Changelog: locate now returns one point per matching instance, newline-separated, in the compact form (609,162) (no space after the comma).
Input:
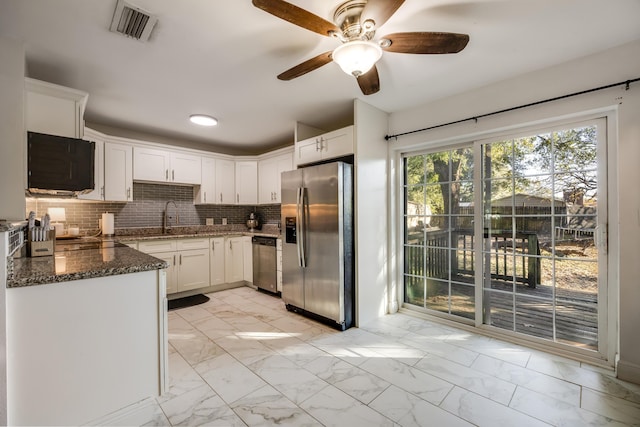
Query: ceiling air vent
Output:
(132,21)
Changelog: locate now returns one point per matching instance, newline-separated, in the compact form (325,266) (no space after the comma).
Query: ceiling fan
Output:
(355,24)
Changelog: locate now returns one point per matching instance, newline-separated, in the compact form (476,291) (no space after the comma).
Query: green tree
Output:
(572,155)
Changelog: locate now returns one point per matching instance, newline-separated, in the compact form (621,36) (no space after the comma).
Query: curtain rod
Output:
(627,83)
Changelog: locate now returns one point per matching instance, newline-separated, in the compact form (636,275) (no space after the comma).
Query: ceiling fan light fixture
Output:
(203,120)
(357,57)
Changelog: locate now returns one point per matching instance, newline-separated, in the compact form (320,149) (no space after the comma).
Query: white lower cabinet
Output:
(233,261)
(193,268)
(279,265)
(216,262)
(172,279)
(188,261)
(247,259)
(202,262)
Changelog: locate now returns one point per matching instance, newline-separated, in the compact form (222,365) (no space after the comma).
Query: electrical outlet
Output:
(209,221)
(224,221)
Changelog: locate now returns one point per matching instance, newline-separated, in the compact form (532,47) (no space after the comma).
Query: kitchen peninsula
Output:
(91,321)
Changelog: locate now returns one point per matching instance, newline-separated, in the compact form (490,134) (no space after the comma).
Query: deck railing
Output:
(445,254)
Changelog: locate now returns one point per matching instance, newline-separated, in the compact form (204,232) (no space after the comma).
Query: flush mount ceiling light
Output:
(357,57)
(203,120)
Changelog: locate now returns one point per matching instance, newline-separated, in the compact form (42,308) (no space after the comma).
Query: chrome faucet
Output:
(168,218)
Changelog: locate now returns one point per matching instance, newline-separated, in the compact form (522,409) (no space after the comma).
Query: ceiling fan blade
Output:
(369,82)
(306,66)
(297,16)
(379,11)
(426,42)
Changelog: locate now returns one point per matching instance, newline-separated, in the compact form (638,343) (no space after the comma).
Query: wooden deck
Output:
(575,314)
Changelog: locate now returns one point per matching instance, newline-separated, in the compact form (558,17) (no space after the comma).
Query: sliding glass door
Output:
(531,259)
(439,231)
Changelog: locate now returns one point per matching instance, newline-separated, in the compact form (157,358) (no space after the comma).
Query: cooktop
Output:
(84,243)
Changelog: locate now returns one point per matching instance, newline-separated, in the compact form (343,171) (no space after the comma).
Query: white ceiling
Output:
(221,57)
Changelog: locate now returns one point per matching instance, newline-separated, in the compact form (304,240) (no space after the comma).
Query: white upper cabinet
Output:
(206,192)
(118,167)
(269,171)
(246,182)
(150,164)
(218,182)
(330,145)
(225,182)
(185,168)
(113,169)
(156,165)
(54,109)
(98,176)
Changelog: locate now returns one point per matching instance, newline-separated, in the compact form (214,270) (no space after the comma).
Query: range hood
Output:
(59,166)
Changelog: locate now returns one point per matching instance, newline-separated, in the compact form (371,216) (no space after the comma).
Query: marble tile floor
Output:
(242,360)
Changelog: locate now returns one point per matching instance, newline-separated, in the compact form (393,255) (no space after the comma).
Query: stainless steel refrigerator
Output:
(317,250)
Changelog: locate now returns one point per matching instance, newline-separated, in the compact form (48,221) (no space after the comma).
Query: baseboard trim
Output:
(210,289)
(628,371)
(121,414)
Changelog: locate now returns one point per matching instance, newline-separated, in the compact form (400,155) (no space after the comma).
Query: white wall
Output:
(83,349)
(371,202)
(12,205)
(614,65)
(12,138)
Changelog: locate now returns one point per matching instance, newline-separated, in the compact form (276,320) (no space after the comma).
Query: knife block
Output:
(43,248)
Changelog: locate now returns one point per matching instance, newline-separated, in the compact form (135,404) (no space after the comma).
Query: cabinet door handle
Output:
(174,259)
(213,246)
(180,259)
(128,193)
(102,191)
(173,175)
(166,174)
(237,197)
(317,146)
(220,197)
(205,197)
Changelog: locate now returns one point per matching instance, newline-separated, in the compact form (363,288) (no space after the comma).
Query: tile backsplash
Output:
(147,209)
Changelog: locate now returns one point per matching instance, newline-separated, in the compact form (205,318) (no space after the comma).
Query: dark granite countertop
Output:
(67,265)
(80,259)
(151,233)
(192,235)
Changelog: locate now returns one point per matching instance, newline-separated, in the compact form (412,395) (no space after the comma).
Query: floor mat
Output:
(187,301)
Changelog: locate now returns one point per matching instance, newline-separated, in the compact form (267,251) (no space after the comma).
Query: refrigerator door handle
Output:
(300,224)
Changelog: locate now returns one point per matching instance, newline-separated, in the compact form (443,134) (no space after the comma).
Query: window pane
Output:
(415,170)
(463,300)
(441,226)
(534,316)
(498,310)
(438,295)
(414,260)
(414,290)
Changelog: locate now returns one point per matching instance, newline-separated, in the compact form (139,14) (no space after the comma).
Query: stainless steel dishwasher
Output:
(264,263)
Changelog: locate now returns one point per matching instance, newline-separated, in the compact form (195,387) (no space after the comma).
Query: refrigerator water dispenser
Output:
(290,229)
